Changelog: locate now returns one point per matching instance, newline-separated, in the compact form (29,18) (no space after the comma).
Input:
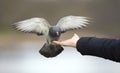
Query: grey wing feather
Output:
(72,22)
(34,25)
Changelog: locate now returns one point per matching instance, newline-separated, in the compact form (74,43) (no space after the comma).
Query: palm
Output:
(70,42)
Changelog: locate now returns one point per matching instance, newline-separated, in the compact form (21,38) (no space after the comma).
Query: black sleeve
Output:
(101,47)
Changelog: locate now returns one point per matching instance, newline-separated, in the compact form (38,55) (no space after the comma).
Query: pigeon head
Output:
(54,31)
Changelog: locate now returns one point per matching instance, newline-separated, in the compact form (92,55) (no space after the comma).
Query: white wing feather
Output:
(72,22)
(34,25)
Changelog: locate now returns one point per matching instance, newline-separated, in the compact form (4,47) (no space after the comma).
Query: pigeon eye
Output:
(57,33)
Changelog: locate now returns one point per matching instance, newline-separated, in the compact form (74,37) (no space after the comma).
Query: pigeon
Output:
(40,26)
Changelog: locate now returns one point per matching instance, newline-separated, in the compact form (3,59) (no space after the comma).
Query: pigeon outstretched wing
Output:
(72,22)
(33,25)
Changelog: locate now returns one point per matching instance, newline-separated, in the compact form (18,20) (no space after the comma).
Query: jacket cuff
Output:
(82,45)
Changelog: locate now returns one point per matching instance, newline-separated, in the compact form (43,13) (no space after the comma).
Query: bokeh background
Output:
(19,51)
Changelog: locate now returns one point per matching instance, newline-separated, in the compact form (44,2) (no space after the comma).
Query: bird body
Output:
(49,50)
(41,27)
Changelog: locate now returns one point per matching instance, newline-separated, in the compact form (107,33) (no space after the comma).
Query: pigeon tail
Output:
(50,50)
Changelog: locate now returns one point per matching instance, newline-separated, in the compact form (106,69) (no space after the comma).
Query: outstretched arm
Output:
(101,47)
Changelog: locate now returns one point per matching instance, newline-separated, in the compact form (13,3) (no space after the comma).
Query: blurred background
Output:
(19,51)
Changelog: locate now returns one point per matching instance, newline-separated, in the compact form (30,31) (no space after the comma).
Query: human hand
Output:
(70,42)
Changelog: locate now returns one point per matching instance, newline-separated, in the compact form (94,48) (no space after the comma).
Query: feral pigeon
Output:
(40,26)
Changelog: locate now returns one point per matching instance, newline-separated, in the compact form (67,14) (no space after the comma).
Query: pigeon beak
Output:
(57,33)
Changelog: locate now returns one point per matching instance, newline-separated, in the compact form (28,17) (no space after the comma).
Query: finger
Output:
(57,42)
(75,34)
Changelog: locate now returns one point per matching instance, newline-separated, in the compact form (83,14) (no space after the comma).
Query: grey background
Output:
(19,51)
